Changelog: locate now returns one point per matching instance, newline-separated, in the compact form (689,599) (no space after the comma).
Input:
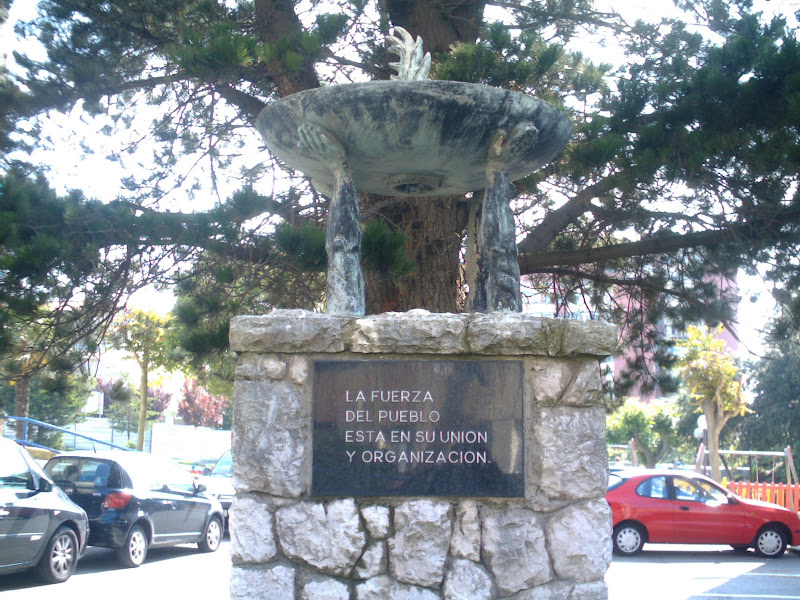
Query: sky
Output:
(100,178)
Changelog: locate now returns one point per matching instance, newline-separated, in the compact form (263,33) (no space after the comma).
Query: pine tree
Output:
(682,168)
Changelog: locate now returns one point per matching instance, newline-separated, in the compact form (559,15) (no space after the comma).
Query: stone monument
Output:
(414,455)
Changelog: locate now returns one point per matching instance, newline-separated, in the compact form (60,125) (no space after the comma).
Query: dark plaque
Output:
(417,428)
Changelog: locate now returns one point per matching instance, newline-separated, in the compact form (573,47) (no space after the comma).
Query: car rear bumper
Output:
(109,535)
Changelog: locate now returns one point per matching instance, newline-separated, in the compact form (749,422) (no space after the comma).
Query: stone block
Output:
(597,338)
(514,548)
(385,588)
(418,549)
(271,438)
(507,334)
(467,580)
(567,452)
(563,590)
(579,541)
(327,537)
(259,366)
(571,382)
(596,590)
(276,583)
(251,530)
(300,370)
(328,589)
(412,332)
(373,562)
(376,518)
(289,331)
(466,540)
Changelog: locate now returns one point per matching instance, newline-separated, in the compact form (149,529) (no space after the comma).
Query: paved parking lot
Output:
(659,573)
(672,572)
(177,572)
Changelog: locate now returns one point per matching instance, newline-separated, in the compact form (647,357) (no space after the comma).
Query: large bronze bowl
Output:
(414,138)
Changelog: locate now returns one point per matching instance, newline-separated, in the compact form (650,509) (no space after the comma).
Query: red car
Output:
(673,507)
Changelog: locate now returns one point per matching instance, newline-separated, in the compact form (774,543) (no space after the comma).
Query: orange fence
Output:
(777,493)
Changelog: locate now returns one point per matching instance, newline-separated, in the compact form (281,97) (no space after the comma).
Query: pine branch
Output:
(760,231)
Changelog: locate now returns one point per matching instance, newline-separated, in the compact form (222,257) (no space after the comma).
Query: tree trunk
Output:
(714,422)
(435,229)
(648,461)
(142,402)
(440,23)
(22,400)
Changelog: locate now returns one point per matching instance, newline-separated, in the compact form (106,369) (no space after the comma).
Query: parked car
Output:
(136,501)
(40,527)
(677,507)
(219,482)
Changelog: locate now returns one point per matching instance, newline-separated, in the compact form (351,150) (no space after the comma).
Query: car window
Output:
(155,474)
(14,471)
(87,474)
(614,481)
(63,469)
(654,487)
(224,466)
(715,492)
(689,491)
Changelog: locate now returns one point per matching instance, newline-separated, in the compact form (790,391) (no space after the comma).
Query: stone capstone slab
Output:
(589,522)
(507,334)
(514,548)
(326,536)
(466,540)
(587,337)
(418,549)
(412,332)
(376,518)
(251,530)
(568,451)
(467,580)
(329,589)
(386,588)
(289,331)
(276,583)
(271,435)
(419,332)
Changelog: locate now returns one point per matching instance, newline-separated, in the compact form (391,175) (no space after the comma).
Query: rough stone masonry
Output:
(554,544)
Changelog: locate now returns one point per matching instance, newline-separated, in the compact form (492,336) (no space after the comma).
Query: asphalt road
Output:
(659,573)
(663,572)
(173,573)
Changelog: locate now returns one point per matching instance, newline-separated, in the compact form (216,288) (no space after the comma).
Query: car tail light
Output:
(116,500)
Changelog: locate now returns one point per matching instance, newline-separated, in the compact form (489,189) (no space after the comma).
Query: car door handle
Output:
(684,507)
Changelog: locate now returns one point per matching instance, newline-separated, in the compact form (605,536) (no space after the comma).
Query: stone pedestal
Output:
(555,543)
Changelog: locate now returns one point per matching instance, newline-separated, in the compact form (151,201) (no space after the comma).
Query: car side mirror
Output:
(200,487)
(44,485)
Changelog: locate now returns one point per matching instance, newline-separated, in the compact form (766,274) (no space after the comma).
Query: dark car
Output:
(219,482)
(136,501)
(688,508)
(40,527)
